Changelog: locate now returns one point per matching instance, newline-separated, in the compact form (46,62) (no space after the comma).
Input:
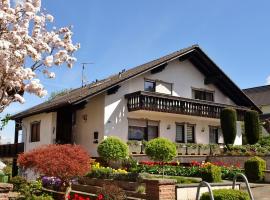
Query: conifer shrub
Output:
(254,169)
(252,126)
(228,120)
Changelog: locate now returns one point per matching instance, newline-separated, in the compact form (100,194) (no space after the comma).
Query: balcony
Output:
(11,150)
(170,104)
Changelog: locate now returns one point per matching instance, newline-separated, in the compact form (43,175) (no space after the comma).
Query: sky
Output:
(122,34)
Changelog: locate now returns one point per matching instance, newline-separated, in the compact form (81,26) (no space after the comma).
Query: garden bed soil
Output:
(125,185)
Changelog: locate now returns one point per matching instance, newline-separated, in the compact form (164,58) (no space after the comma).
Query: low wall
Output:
(189,191)
(155,189)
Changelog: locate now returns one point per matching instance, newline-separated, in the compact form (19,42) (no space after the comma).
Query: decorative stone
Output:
(5,187)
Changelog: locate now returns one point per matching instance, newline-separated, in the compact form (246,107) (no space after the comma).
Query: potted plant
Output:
(134,146)
(3,178)
(215,149)
(204,149)
(181,148)
(192,149)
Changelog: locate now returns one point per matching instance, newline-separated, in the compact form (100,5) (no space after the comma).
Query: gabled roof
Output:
(260,95)
(193,54)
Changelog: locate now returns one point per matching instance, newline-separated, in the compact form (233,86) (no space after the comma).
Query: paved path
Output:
(261,192)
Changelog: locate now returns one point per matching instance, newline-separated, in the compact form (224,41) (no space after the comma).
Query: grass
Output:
(179,179)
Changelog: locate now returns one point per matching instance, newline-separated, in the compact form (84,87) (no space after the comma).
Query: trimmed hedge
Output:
(211,174)
(252,126)
(228,119)
(112,149)
(226,194)
(254,169)
(161,149)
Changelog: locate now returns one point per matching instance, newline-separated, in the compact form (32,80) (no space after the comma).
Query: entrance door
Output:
(64,126)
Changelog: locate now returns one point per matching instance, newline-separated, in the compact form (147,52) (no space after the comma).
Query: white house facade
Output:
(178,96)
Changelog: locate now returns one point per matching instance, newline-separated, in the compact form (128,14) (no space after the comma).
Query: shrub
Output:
(254,169)
(226,194)
(112,192)
(160,149)
(228,125)
(211,173)
(62,161)
(112,149)
(7,170)
(252,126)
(42,197)
(264,141)
(17,182)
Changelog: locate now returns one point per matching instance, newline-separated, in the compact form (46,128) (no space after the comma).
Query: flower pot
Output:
(192,150)
(215,150)
(134,149)
(205,151)
(181,151)
(3,179)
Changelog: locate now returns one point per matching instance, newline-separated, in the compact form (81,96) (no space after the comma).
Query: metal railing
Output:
(246,182)
(203,183)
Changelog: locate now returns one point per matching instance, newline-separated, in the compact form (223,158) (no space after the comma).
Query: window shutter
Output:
(180,133)
(190,133)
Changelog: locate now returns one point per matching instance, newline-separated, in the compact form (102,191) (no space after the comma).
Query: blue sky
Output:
(121,34)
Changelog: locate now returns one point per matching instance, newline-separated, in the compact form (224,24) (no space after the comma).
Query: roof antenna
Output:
(83,68)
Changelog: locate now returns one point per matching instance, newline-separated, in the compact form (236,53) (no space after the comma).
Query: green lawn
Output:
(179,179)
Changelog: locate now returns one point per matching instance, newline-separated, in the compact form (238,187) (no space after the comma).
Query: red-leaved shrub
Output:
(62,161)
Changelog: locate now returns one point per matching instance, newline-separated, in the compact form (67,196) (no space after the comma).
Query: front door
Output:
(64,126)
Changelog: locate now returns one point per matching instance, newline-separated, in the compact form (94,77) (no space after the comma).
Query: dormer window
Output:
(203,95)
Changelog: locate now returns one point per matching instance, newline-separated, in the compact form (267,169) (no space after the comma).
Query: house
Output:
(178,96)
(261,97)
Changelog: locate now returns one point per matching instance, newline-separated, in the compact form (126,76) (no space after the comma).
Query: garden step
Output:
(5,187)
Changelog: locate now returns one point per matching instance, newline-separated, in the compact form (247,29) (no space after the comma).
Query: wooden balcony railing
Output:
(11,150)
(170,104)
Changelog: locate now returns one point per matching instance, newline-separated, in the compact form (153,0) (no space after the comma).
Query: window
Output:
(190,133)
(142,129)
(35,132)
(136,133)
(203,95)
(158,86)
(149,86)
(180,133)
(213,135)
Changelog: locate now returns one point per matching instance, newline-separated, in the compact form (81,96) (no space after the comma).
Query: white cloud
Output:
(268,80)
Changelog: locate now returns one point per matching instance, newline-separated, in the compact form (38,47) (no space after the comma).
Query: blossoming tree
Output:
(29,49)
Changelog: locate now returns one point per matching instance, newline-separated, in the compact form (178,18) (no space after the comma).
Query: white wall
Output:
(83,130)
(184,76)
(47,126)
(167,124)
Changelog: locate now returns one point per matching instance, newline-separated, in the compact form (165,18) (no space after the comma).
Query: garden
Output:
(68,172)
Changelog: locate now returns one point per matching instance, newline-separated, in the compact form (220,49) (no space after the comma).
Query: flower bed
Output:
(170,169)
